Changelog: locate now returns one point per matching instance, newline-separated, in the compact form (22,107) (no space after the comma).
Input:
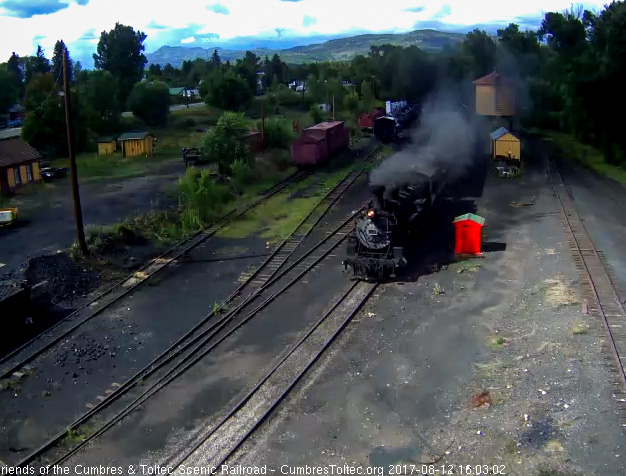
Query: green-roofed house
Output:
(107,145)
(177,91)
(136,143)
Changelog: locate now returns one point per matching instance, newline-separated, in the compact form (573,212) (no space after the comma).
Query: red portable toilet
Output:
(467,234)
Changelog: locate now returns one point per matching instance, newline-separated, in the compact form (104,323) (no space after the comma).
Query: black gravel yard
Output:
(482,362)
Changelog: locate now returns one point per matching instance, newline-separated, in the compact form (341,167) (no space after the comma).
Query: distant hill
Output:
(338,49)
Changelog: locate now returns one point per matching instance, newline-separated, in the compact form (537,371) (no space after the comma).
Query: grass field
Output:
(585,154)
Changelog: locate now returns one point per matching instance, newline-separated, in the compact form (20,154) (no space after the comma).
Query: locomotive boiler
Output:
(394,218)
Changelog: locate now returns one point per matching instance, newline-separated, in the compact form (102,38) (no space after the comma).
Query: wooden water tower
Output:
(495,96)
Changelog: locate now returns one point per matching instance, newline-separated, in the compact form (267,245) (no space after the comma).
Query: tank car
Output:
(377,245)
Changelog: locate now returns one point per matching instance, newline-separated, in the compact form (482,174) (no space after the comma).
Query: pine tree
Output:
(57,61)
(215,59)
(15,70)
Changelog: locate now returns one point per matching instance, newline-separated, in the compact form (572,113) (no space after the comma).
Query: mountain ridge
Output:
(335,49)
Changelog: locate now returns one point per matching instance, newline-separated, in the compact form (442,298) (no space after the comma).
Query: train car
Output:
(377,245)
(386,128)
(366,121)
(320,143)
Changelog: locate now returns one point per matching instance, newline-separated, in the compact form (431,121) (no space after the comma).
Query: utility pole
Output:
(263,125)
(78,213)
(333,107)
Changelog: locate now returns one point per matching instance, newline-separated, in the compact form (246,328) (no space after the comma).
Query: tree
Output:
(57,61)
(226,90)
(247,69)
(44,125)
(150,101)
(352,104)
(215,59)
(120,52)
(14,68)
(316,113)
(37,64)
(8,90)
(367,94)
(225,143)
(482,49)
(99,100)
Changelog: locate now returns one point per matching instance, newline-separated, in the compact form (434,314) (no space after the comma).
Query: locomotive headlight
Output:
(370,213)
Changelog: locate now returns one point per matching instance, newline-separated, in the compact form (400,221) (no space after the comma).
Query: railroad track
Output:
(601,294)
(217,445)
(217,327)
(16,359)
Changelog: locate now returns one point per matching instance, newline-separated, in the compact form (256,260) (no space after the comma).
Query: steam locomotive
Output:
(377,245)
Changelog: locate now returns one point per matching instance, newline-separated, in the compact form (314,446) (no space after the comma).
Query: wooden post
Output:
(78,213)
(262,126)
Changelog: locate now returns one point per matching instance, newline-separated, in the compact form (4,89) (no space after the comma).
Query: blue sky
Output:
(241,24)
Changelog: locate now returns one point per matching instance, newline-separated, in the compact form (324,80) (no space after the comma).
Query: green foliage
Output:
(352,104)
(225,143)
(201,199)
(120,52)
(8,90)
(150,102)
(278,133)
(99,100)
(44,126)
(241,174)
(316,114)
(226,90)
(57,61)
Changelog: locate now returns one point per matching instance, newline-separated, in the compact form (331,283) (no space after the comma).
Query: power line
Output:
(54,90)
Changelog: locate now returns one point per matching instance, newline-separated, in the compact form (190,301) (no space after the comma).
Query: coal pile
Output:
(67,280)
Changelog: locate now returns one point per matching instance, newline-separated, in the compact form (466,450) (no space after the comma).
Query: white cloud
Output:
(248,18)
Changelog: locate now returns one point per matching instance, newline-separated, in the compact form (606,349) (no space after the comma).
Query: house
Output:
(177,91)
(19,164)
(16,112)
(191,93)
(137,143)
(505,145)
(107,145)
(495,95)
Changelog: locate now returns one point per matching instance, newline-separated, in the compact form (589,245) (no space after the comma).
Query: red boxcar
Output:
(336,135)
(366,121)
(307,150)
(320,142)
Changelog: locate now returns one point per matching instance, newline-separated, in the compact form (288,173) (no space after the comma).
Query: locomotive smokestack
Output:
(377,196)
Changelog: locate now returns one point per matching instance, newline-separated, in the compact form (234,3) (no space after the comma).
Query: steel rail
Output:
(187,362)
(588,272)
(291,385)
(219,224)
(155,365)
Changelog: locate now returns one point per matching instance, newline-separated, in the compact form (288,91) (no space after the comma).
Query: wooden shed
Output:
(107,145)
(19,164)
(505,145)
(136,143)
(495,95)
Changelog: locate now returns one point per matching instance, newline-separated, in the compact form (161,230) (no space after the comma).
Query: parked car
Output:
(15,123)
(4,124)
(49,173)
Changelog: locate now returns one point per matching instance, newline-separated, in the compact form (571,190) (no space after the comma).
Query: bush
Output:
(225,143)
(201,199)
(278,133)
(242,174)
(316,114)
(150,102)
